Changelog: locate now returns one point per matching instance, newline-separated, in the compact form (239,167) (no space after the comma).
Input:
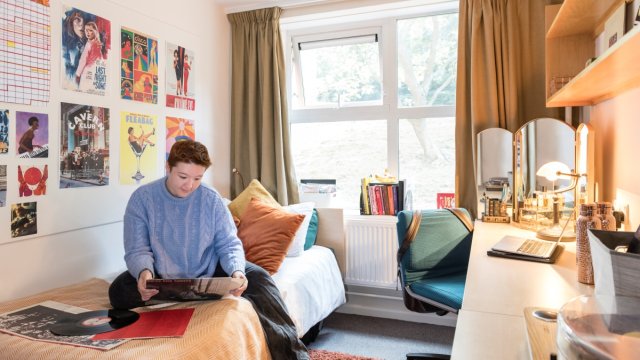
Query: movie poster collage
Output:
(84,157)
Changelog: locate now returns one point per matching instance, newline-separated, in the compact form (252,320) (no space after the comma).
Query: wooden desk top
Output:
(491,323)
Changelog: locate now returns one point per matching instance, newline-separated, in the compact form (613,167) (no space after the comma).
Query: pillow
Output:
(266,233)
(305,209)
(312,231)
(254,190)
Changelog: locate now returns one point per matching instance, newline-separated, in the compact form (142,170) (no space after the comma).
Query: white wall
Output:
(39,263)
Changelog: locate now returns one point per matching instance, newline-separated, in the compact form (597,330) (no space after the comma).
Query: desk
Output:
(491,322)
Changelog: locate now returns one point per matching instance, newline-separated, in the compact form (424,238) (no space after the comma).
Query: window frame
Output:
(389,110)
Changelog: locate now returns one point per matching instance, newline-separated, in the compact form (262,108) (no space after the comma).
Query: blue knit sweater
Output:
(179,237)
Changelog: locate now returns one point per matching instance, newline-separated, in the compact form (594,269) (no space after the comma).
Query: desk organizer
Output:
(615,273)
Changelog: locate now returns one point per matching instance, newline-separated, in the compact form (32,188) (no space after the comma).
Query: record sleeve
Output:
(193,289)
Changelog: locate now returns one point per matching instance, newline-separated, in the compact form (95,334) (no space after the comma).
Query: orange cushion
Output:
(266,233)
(254,190)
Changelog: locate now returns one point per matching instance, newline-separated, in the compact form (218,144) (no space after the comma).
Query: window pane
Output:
(341,75)
(427,56)
(427,158)
(346,151)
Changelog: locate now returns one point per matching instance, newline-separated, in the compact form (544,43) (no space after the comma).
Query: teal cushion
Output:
(447,290)
(312,231)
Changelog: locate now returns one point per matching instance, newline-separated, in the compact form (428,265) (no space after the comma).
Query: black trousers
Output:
(263,294)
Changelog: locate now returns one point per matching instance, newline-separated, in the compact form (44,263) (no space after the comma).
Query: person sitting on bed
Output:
(176,228)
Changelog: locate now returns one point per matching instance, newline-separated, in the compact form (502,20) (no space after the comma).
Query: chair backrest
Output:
(441,246)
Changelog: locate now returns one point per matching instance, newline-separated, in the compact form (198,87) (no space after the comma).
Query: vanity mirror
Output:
(494,163)
(541,144)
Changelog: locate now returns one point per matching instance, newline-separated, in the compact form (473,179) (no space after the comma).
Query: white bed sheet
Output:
(311,286)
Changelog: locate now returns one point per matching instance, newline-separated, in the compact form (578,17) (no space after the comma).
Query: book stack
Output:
(381,198)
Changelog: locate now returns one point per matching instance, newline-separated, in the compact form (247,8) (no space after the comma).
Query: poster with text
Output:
(32,135)
(24,219)
(86,41)
(178,129)
(32,180)
(138,67)
(3,185)
(180,78)
(138,154)
(4,131)
(84,146)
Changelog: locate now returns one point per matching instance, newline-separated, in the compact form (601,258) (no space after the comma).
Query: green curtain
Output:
(260,146)
(500,80)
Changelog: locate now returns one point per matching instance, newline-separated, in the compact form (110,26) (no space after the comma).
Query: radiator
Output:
(371,246)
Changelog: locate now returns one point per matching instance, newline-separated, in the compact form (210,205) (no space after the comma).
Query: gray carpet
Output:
(381,338)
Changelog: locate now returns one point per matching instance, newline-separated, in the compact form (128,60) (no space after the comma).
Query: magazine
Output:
(33,323)
(193,289)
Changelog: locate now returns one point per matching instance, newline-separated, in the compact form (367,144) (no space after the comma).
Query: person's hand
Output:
(243,287)
(145,293)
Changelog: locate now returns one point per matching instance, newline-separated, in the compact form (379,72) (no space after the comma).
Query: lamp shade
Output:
(552,169)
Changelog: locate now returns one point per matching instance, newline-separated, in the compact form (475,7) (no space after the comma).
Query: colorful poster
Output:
(84,146)
(32,180)
(138,154)
(178,129)
(138,67)
(25,64)
(4,131)
(86,41)
(3,185)
(180,78)
(32,135)
(24,219)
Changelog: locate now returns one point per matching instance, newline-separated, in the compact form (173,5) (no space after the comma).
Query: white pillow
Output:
(306,209)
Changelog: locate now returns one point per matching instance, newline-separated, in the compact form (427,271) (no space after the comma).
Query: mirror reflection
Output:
(537,143)
(494,163)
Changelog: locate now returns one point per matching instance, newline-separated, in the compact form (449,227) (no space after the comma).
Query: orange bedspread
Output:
(222,329)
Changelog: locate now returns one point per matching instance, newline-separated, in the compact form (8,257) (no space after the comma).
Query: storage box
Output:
(615,273)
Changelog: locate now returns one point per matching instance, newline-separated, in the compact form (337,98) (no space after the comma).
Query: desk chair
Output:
(432,261)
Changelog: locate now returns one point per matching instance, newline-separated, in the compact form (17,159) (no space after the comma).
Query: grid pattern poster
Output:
(138,67)
(86,40)
(138,152)
(25,52)
(84,146)
(32,135)
(180,78)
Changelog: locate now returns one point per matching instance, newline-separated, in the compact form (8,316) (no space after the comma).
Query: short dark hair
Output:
(190,152)
(32,120)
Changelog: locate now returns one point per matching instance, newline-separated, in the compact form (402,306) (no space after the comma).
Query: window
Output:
(376,95)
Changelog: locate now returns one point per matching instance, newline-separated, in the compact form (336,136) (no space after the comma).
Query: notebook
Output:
(527,247)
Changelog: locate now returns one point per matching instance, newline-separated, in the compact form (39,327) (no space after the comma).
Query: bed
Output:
(311,285)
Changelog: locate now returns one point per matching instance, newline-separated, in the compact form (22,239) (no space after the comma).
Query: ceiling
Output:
(244,5)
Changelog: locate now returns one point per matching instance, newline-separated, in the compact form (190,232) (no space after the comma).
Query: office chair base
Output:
(427,356)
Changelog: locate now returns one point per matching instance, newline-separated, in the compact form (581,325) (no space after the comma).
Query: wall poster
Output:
(84,146)
(4,131)
(32,135)
(32,180)
(138,154)
(178,129)
(180,78)
(24,219)
(25,63)
(3,185)
(86,40)
(138,67)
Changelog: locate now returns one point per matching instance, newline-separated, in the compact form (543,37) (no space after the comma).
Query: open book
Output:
(193,289)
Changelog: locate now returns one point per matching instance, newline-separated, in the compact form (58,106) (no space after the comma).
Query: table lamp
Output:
(553,171)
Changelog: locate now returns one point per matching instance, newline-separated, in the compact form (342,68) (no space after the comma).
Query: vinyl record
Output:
(94,322)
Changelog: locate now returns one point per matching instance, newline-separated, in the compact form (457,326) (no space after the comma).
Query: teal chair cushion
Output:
(447,290)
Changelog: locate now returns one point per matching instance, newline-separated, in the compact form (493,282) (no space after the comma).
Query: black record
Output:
(94,322)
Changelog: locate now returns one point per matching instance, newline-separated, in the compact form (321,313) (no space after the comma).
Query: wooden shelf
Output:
(571,31)
(612,73)
(581,17)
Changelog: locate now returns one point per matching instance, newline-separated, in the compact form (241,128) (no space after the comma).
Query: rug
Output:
(333,355)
